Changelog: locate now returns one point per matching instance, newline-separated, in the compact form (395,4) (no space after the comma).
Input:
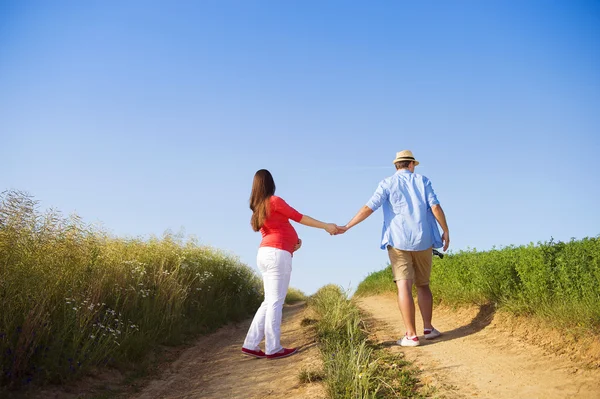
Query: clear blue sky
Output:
(155,115)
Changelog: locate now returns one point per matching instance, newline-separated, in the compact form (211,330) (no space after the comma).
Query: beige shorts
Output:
(411,265)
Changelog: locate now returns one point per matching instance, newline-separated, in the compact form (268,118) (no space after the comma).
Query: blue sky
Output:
(155,115)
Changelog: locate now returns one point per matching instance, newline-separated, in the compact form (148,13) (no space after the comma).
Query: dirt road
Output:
(475,358)
(215,367)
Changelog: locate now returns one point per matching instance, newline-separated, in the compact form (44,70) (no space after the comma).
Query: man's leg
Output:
(407,305)
(422,265)
(425,305)
(403,272)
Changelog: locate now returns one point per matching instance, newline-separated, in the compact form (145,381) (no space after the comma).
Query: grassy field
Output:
(557,281)
(75,298)
(353,367)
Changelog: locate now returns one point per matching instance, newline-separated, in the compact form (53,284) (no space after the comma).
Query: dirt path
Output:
(215,368)
(475,359)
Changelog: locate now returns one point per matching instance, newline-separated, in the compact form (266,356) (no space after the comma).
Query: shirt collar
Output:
(403,171)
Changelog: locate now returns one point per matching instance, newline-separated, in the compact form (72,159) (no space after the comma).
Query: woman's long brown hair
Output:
(263,188)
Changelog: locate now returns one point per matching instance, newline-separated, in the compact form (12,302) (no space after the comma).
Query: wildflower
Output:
(92,336)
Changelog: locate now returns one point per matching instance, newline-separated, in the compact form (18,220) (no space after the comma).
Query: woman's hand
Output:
(298,245)
(331,228)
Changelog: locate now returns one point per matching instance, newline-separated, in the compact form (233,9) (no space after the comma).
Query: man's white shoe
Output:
(431,334)
(406,341)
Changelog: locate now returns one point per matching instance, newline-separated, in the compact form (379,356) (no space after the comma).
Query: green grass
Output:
(353,367)
(74,298)
(556,281)
(294,295)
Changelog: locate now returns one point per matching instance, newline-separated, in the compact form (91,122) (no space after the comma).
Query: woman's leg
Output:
(277,280)
(256,332)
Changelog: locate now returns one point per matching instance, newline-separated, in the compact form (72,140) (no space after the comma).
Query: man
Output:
(410,232)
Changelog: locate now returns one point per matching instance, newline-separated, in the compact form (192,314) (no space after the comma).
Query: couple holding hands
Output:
(411,215)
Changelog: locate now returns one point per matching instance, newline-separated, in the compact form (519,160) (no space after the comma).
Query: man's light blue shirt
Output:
(408,222)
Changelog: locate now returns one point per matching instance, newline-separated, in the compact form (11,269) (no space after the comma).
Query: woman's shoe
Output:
(259,354)
(285,352)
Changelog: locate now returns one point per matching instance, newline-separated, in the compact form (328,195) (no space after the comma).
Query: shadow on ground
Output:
(482,319)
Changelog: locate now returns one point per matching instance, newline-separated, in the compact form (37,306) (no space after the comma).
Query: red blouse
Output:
(277,230)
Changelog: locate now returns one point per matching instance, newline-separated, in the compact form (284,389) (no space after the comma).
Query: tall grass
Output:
(294,295)
(73,297)
(554,280)
(354,368)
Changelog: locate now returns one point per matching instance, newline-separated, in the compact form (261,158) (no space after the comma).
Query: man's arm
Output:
(374,203)
(362,214)
(438,212)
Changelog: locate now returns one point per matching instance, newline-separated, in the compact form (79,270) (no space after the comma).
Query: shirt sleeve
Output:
(279,205)
(380,195)
(430,194)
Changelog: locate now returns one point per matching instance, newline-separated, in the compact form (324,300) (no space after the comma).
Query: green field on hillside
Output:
(555,280)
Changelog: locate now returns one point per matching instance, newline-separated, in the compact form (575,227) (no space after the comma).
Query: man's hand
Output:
(298,245)
(446,240)
(341,230)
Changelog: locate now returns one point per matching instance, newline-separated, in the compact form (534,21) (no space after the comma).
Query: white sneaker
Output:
(405,341)
(432,334)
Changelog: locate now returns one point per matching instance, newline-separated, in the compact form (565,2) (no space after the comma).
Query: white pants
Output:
(276,268)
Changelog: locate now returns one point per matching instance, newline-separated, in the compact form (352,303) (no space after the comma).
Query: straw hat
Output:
(405,155)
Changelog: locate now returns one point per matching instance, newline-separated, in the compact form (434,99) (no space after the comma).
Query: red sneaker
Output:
(259,354)
(285,352)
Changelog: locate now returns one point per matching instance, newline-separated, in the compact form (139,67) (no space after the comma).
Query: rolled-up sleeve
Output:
(282,207)
(380,195)
(430,194)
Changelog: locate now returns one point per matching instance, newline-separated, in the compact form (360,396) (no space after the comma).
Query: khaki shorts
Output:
(411,265)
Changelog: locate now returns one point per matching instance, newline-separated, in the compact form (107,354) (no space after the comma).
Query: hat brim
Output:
(406,159)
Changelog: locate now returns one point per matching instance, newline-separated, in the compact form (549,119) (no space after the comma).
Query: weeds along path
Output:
(475,358)
(215,368)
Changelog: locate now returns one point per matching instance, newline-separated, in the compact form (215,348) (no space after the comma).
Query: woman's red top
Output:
(277,230)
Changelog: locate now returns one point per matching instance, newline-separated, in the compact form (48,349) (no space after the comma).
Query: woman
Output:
(270,216)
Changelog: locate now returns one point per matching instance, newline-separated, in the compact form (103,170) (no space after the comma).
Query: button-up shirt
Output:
(408,222)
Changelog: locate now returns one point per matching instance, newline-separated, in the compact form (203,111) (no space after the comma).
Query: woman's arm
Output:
(331,228)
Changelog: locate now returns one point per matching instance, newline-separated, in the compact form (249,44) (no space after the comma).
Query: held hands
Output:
(334,229)
(341,230)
